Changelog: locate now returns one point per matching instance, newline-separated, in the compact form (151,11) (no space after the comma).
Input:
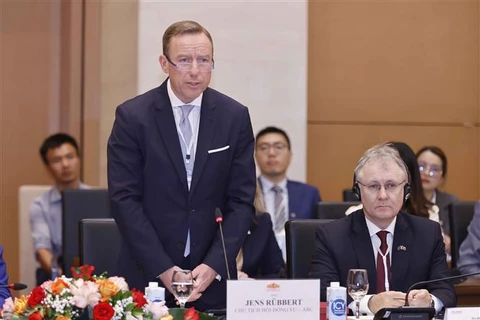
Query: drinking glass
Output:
(182,286)
(357,286)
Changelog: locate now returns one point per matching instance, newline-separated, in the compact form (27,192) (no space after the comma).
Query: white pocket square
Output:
(219,149)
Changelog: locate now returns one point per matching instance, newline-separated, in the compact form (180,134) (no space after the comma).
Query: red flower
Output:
(36,297)
(138,298)
(191,314)
(35,316)
(83,272)
(103,311)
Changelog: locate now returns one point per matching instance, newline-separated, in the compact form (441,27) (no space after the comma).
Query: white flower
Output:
(158,309)
(85,293)
(7,309)
(120,282)
(47,285)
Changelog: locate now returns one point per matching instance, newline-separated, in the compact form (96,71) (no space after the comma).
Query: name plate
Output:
(462,313)
(273,299)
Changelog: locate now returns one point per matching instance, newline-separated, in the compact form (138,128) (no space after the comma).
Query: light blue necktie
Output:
(186,130)
(280,213)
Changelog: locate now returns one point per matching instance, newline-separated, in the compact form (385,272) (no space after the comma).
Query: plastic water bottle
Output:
(154,293)
(337,302)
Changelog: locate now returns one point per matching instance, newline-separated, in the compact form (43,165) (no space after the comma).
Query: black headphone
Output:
(407,190)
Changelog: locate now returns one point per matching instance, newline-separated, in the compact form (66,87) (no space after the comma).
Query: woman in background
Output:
(417,204)
(4,292)
(260,256)
(432,163)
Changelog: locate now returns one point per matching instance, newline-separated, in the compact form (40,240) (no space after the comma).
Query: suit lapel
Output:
(168,131)
(292,200)
(363,248)
(401,252)
(206,131)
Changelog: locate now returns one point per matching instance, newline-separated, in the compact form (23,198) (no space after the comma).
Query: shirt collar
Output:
(176,102)
(434,198)
(267,185)
(373,229)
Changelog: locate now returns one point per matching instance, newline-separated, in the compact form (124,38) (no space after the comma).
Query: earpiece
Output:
(356,188)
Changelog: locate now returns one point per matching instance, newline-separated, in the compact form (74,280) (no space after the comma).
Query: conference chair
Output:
(28,264)
(333,210)
(99,244)
(300,238)
(460,215)
(78,205)
(348,195)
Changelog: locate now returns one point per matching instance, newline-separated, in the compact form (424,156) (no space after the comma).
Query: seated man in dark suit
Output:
(4,292)
(397,249)
(284,199)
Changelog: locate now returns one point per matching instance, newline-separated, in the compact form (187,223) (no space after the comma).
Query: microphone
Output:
(420,283)
(14,286)
(219,220)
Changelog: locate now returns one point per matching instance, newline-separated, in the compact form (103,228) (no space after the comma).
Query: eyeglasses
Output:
(430,170)
(390,187)
(277,147)
(186,64)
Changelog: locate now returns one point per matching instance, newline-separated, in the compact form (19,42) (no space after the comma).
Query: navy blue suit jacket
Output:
(150,199)
(302,200)
(262,257)
(345,244)
(4,292)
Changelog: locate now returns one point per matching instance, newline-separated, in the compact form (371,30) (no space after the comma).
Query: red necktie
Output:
(380,266)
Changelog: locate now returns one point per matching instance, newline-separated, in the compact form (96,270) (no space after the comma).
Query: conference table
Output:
(468,293)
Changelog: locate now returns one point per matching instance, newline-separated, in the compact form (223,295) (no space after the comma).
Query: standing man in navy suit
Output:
(284,199)
(175,154)
(397,249)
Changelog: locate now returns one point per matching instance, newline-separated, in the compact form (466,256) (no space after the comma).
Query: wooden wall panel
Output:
(29,106)
(40,95)
(335,150)
(393,70)
(403,61)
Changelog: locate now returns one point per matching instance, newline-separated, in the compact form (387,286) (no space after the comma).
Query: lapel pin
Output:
(401,248)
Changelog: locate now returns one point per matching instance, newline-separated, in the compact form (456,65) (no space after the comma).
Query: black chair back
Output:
(333,210)
(460,215)
(300,238)
(78,205)
(348,195)
(99,244)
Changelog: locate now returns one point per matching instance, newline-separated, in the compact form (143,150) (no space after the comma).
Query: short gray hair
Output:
(382,152)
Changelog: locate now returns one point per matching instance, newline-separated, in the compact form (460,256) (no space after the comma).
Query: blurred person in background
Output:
(432,163)
(61,156)
(285,199)
(469,253)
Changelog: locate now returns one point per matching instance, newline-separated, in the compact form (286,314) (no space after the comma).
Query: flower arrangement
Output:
(104,297)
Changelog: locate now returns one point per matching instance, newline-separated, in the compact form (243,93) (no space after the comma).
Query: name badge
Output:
(472,313)
(273,299)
